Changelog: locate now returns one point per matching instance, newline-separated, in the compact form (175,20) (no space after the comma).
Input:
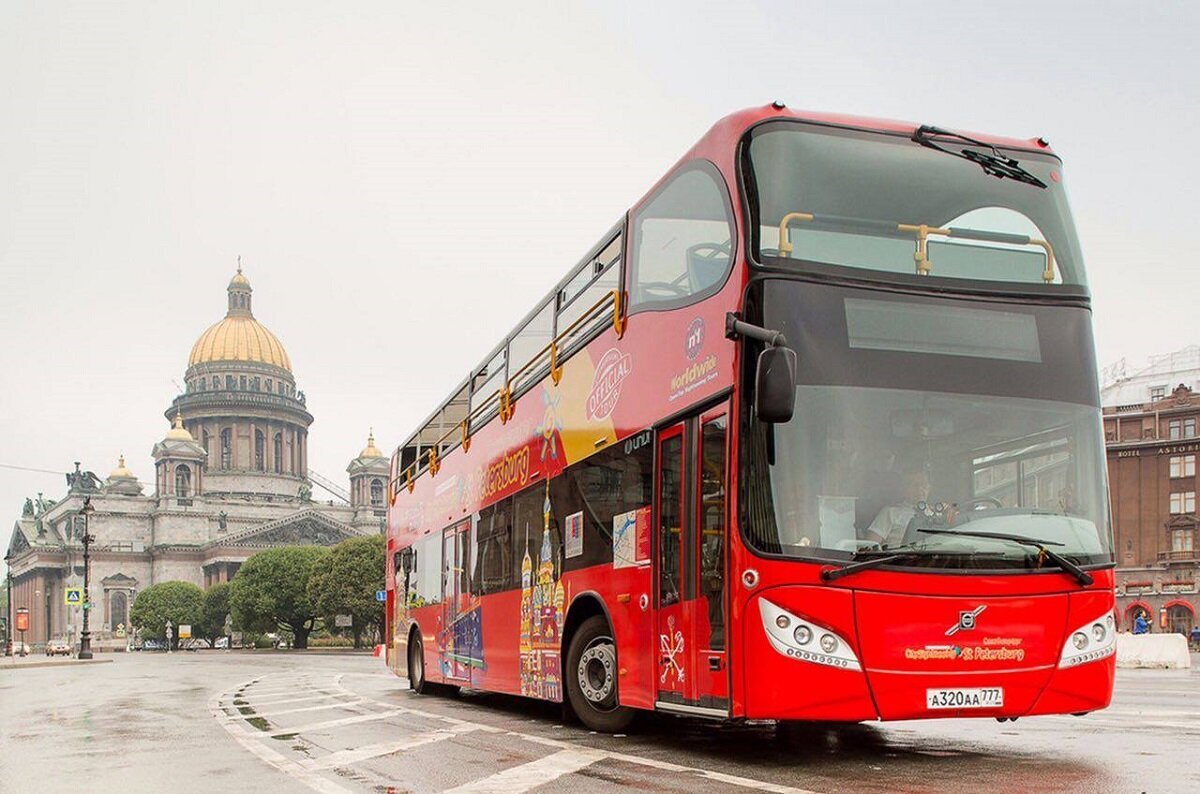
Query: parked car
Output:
(58,648)
(151,645)
(21,648)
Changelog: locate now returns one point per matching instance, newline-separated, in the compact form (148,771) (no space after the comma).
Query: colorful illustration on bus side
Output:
(552,424)
(670,646)
(543,602)
(631,538)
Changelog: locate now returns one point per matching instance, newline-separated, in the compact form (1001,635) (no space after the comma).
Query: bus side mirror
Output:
(775,384)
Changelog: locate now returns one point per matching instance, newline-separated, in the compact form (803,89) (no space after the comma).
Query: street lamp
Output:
(8,630)
(85,639)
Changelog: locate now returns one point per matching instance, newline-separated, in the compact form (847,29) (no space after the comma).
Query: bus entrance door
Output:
(690,527)
(459,642)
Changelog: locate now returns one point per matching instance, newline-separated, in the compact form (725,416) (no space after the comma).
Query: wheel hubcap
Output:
(597,672)
(418,665)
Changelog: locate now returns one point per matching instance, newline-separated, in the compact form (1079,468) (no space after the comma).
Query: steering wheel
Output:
(972,504)
(710,250)
(674,288)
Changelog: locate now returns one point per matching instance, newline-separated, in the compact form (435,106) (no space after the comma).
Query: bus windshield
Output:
(836,200)
(919,413)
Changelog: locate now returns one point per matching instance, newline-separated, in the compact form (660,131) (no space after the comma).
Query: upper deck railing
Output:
(474,403)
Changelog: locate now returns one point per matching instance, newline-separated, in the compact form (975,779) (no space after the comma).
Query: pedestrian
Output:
(1140,624)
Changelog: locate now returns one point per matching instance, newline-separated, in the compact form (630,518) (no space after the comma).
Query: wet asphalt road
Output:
(281,722)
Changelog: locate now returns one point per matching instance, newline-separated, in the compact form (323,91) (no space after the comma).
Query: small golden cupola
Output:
(370,450)
(122,481)
(178,432)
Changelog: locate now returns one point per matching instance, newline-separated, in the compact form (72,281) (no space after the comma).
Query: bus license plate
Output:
(982,698)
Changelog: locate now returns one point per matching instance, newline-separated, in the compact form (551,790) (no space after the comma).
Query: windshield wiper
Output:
(837,573)
(1044,552)
(998,165)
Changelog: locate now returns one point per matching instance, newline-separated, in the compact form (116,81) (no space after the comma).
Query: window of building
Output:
(230,383)
(216,382)
(682,240)
(1183,465)
(1158,393)
(183,481)
(242,382)
(376,493)
(260,451)
(227,448)
(270,387)
(1183,502)
(255,384)
(1183,539)
(1182,428)
(278,453)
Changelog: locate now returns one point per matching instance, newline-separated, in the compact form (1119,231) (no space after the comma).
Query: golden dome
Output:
(121,473)
(239,338)
(178,432)
(370,450)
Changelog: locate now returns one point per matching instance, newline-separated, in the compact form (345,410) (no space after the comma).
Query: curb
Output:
(72,663)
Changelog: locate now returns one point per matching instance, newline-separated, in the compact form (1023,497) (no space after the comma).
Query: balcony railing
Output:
(1188,555)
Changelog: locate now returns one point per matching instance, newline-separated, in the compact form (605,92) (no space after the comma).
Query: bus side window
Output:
(682,240)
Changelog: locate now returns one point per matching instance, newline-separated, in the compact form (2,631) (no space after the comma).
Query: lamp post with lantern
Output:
(85,638)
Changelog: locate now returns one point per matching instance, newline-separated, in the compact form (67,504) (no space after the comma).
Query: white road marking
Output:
(526,776)
(353,755)
(275,759)
(255,702)
(318,726)
(323,706)
(569,758)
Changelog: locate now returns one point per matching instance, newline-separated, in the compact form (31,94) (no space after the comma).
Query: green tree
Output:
(178,602)
(216,607)
(347,583)
(270,591)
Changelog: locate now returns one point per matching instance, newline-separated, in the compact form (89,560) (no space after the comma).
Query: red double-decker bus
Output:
(811,434)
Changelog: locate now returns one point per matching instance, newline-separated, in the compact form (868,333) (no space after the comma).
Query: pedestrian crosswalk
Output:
(332,739)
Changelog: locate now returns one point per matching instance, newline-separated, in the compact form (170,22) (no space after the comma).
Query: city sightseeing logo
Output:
(694,342)
(611,372)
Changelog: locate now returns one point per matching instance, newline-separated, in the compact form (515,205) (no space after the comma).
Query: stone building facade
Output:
(1152,447)
(230,478)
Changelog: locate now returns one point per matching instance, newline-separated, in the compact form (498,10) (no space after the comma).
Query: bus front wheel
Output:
(591,678)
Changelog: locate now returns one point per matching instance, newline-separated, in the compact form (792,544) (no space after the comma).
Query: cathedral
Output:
(231,478)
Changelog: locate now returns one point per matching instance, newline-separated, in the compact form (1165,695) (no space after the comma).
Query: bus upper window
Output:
(682,240)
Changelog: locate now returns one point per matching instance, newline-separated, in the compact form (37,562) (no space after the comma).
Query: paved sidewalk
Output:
(41,660)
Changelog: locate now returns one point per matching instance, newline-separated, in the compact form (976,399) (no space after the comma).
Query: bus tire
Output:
(591,677)
(416,665)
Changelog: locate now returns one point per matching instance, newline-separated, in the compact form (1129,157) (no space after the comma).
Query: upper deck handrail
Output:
(922,232)
(504,399)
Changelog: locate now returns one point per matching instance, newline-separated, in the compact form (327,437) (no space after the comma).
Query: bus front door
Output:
(459,638)
(691,540)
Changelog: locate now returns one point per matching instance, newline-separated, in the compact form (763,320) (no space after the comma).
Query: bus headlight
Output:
(791,636)
(1090,642)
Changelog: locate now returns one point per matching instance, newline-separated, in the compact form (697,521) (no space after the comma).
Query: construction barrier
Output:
(1161,651)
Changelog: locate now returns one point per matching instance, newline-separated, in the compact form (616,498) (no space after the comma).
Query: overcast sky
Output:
(405,180)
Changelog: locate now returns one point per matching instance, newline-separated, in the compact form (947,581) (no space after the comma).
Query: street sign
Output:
(73,596)
(343,621)
(185,631)
(381,595)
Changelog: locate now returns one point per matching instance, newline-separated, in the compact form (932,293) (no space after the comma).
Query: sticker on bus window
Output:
(631,538)
(573,539)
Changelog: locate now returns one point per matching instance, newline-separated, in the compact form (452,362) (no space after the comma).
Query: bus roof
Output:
(718,144)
